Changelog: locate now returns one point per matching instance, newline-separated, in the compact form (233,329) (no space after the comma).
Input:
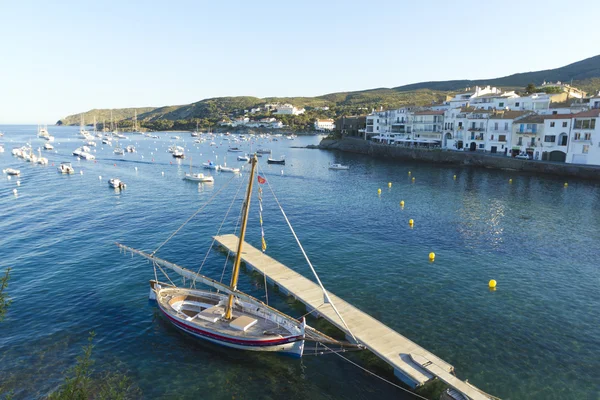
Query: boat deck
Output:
(412,364)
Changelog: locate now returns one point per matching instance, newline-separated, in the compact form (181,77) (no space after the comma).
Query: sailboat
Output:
(197,177)
(230,317)
(135,129)
(196,133)
(118,149)
(82,131)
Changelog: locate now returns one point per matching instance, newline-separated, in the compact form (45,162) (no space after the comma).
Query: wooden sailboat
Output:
(229,317)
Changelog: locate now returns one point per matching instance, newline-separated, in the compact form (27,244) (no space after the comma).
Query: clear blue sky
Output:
(64,57)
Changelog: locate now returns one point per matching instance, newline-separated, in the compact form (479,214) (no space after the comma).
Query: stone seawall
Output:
(449,157)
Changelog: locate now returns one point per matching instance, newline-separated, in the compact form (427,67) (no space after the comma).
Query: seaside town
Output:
(559,126)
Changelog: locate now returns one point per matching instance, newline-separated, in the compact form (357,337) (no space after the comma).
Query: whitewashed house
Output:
(475,129)
(499,130)
(526,134)
(427,126)
(584,140)
(322,125)
(288,109)
(554,143)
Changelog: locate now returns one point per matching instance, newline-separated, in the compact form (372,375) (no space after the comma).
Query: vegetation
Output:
(80,383)
(4,299)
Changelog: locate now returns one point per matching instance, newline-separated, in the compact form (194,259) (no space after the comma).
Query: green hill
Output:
(585,75)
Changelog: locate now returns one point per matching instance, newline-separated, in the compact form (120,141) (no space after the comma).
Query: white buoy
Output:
(163,174)
(9,178)
(136,168)
(281,172)
(99,177)
(80,172)
(142,156)
(15,192)
(18,183)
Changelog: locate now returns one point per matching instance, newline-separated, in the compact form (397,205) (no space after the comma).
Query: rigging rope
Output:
(327,299)
(194,214)
(219,230)
(229,252)
(374,374)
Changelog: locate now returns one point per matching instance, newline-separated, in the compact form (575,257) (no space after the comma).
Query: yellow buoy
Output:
(411,222)
(566,184)
(492,284)
(402,203)
(454,177)
(378,191)
(510,180)
(431,256)
(413,179)
(389,184)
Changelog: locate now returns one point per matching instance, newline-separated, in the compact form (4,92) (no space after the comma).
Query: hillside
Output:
(585,75)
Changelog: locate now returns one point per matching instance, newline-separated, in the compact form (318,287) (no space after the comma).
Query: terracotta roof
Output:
(533,119)
(430,112)
(559,116)
(473,109)
(590,113)
(508,114)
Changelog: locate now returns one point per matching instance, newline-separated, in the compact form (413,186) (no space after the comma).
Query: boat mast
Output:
(238,255)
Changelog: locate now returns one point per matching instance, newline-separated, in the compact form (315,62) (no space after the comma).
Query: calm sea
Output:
(536,337)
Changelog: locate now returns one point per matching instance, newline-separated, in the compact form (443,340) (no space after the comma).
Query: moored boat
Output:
(116,183)
(66,168)
(198,177)
(12,171)
(338,166)
(275,161)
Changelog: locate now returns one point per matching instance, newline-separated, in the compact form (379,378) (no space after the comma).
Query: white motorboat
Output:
(281,161)
(243,158)
(338,166)
(66,168)
(106,141)
(78,151)
(198,177)
(263,151)
(91,143)
(12,171)
(176,137)
(87,156)
(229,169)
(116,183)
(1,148)
(178,154)
(48,146)
(118,149)
(130,149)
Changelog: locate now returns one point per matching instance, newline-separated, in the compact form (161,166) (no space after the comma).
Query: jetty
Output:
(412,364)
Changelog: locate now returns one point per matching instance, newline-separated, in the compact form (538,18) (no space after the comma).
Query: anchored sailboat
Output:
(230,317)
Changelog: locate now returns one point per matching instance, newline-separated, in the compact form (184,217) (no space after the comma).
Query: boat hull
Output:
(292,346)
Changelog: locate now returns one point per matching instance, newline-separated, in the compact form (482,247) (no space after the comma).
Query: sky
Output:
(63,57)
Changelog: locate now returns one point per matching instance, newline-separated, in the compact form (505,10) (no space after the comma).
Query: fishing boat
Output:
(211,165)
(274,161)
(116,183)
(197,177)
(12,171)
(66,168)
(338,166)
(230,317)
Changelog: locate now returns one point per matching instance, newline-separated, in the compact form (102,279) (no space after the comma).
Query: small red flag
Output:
(261,180)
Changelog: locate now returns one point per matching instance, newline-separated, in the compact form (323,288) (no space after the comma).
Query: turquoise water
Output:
(536,337)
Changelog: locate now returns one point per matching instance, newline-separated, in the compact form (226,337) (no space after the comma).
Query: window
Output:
(554,112)
(500,104)
(502,138)
(578,136)
(593,124)
(551,124)
(564,124)
(506,126)
(520,142)
(517,104)
(585,149)
(550,138)
(588,136)
(492,138)
(481,125)
(482,146)
(495,126)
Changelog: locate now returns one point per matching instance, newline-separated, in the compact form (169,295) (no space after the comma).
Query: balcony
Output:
(527,131)
(475,129)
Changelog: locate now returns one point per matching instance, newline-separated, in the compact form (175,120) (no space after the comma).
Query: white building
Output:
(526,135)
(555,141)
(584,140)
(288,109)
(324,125)
(427,125)
(498,135)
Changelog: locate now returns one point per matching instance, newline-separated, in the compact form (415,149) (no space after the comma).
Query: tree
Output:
(4,299)
(530,88)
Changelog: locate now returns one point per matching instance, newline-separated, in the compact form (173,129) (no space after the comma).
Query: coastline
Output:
(449,157)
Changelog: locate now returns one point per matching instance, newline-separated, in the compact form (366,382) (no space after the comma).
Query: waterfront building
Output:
(584,139)
(352,126)
(554,143)
(427,126)
(476,128)
(322,125)
(499,130)
(526,134)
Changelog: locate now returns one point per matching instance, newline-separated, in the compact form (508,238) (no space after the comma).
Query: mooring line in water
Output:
(374,374)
